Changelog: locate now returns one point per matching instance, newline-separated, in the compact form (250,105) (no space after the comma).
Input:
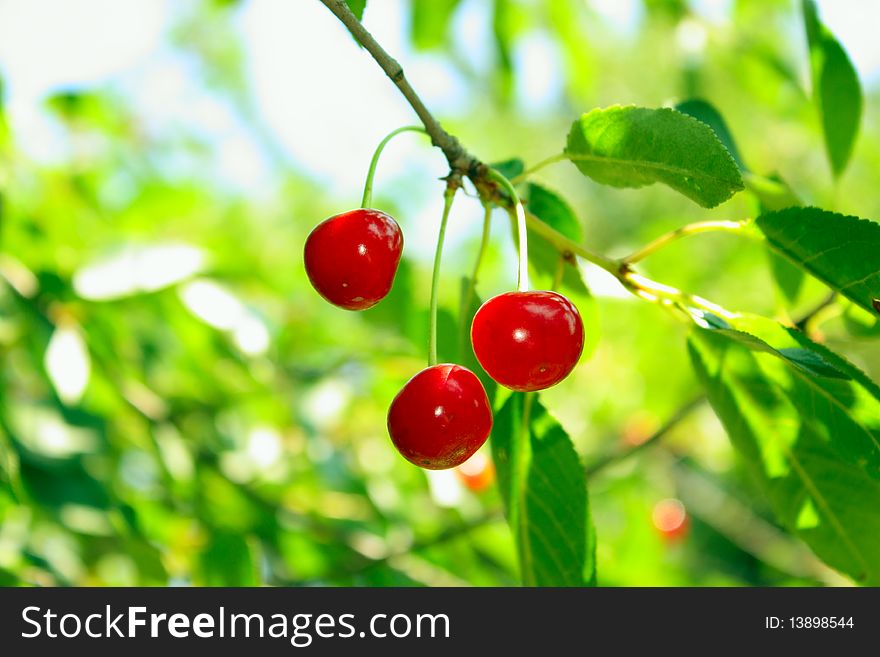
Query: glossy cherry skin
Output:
(528,340)
(351,258)
(440,417)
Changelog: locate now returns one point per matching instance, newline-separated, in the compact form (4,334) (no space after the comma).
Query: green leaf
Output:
(544,488)
(861,323)
(706,112)
(430,22)
(553,210)
(836,90)
(550,208)
(841,251)
(544,257)
(747,329)
(635,146)
(228,560)
(773,193)
(509,168)
(812,440)
(789,278)
(357,7)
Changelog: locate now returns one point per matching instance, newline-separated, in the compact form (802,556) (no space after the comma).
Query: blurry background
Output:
(178,406)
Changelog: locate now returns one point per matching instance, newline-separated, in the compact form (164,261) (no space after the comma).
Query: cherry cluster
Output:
(525,340)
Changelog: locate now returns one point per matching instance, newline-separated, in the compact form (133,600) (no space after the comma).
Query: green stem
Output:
(639,285)
(670,297)
(559,157)
(522,279)
(472,283)
(521,457)
(448,196)
(685,231)
(566,245)
(484,243)
(368,186)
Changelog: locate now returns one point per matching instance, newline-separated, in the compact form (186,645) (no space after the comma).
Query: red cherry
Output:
(528,340)
(351,258)
(440,417)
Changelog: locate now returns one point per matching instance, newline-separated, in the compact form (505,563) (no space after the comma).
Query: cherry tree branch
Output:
(460,161)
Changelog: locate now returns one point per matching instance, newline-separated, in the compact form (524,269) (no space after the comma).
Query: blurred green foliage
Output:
(177,406)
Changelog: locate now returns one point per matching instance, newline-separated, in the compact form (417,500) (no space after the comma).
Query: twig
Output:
(459,159)
(462,163)
(621,455)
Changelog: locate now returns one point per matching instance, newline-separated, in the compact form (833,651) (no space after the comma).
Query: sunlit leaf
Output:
(812,441)
(635,146)
(747,328)
(543,485)
(706,112)
(836,90)
(841,251)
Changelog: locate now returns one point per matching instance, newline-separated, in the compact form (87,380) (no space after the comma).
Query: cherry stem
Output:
(521,458)
(448,196)
(522,278)
(471,289)
(368,186)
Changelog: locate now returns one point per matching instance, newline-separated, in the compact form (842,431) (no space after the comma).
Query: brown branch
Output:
(460,161)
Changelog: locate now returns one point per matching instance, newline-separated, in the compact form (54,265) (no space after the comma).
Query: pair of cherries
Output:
(525,341)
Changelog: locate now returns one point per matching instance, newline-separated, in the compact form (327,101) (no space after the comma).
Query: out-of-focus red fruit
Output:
(671,519)
(477,473)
